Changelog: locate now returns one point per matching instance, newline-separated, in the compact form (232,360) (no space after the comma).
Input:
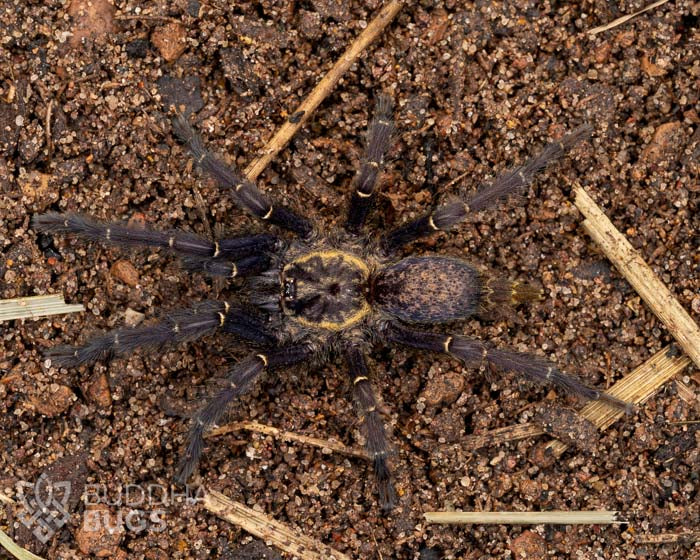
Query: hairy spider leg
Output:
(179,326)
(451,213)
(376,442)
(379,134)
(241,268)
(474,352)
(238,381)
(245,193)
(232,257)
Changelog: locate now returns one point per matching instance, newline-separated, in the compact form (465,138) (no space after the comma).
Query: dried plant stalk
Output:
(17,551)
(324,444)
(637,387)
(324,87)
(498,436)
(665,538)
(35,307)
(523,517)
(269,529)
(640,275)
(623,19)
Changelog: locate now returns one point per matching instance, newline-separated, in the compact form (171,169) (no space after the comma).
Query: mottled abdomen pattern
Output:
(428,289)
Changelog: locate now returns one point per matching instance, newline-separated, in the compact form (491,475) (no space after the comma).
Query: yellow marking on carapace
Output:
(330,254)
(347,257)
(337,325)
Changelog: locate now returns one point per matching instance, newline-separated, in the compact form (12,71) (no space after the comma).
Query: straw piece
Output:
(640,275)
(637,387)
(6,499)
(324,444)
(35,307)
(269,529)
(499,436)
(523,517)
(17,551)
(665,538)
(686,393)
(623,19)
(324,87)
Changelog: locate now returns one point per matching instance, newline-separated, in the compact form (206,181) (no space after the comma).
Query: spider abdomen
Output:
(428,289)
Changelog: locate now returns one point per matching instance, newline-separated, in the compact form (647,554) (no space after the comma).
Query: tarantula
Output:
(315,295)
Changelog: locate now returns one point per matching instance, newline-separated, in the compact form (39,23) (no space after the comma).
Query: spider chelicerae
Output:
(315,295)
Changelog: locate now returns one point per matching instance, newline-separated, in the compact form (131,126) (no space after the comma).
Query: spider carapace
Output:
(311,296)
(326,289)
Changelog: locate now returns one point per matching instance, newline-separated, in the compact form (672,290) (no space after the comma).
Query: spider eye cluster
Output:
(290,289)
(326,289)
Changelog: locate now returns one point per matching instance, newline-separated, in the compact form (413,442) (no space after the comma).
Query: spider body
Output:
(319,295)
(326,290)
(428,289)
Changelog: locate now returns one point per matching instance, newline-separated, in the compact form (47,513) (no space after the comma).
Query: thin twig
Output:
(324,87)
(47,127)
(686,393)
(524,517)
(6,499)
(17,551)
(327,445)
(637,387)
(35,307)
(623,19)
(665,538)
(144,17)
(632,266)
(499,436)
(269,529)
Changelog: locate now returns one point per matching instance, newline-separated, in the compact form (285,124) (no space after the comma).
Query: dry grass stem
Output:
(640,275)
(268,529)
(637,388)
(324,87)
(326,445)
(623,19)
(666,538)
(144,17)
(523,517)
(499,436)
(35,307)
(17,551)
(686,393)
(6,499)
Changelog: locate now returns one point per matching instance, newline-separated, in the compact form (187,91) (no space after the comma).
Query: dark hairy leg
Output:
(376,442)
(179,326)
(451,213)
(245,193)
(379,135)
(237,382)
(237,256)
(474,352)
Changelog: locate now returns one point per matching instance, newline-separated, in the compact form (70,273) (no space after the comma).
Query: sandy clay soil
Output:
(478,87)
